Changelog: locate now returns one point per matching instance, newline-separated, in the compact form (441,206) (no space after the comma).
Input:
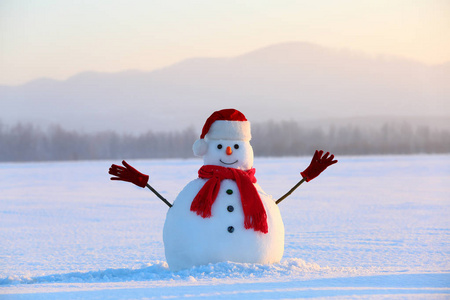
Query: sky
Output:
(60,38)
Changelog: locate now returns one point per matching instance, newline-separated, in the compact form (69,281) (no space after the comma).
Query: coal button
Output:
(229,192)
(230,229)
(230,208)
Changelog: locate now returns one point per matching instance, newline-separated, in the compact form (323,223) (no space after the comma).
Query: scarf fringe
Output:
(258,223)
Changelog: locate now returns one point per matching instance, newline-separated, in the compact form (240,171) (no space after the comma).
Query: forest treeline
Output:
(25,142)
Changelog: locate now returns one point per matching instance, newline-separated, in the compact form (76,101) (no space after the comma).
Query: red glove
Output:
(318,165)
(129,174)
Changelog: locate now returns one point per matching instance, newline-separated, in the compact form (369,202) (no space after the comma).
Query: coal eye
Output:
(236,146)
(219,146)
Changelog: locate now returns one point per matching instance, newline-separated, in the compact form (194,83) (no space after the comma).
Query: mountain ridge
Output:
(299,81)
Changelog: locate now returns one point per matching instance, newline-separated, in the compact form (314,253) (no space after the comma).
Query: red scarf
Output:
(254,213)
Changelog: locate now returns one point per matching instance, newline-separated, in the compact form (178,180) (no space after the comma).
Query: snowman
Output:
(223,215)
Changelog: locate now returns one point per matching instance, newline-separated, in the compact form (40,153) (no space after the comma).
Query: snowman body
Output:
(191,240)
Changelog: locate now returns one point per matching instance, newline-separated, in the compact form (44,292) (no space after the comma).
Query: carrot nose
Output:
(229,151)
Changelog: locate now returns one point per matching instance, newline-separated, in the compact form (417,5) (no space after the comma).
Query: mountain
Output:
(291,81)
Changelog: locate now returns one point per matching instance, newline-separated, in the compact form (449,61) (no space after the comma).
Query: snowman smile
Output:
(228,163)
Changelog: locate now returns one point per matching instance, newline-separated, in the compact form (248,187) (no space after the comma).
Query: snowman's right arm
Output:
(318,164)
(130,174)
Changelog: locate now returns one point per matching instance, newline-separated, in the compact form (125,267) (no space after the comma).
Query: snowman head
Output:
(225,140)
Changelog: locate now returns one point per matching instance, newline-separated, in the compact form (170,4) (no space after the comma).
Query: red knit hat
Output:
(225,124)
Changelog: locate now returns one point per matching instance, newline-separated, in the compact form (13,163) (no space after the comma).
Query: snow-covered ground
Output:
(367,227)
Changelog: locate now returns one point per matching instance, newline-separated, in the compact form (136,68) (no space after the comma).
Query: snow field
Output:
(367,227)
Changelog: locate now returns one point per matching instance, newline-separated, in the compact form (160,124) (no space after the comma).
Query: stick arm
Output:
(130,174)
(318,164)
(159,195)
(290,191)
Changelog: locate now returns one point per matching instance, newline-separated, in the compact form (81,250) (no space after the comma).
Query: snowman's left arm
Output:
(318,165)
(130,174)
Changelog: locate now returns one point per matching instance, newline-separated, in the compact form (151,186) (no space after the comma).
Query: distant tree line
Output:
(288,138)
(30,143)
(25,142)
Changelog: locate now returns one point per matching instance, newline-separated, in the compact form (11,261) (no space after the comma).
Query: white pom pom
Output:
(200,147)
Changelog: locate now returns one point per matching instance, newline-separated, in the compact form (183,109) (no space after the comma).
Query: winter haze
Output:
(296,81)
